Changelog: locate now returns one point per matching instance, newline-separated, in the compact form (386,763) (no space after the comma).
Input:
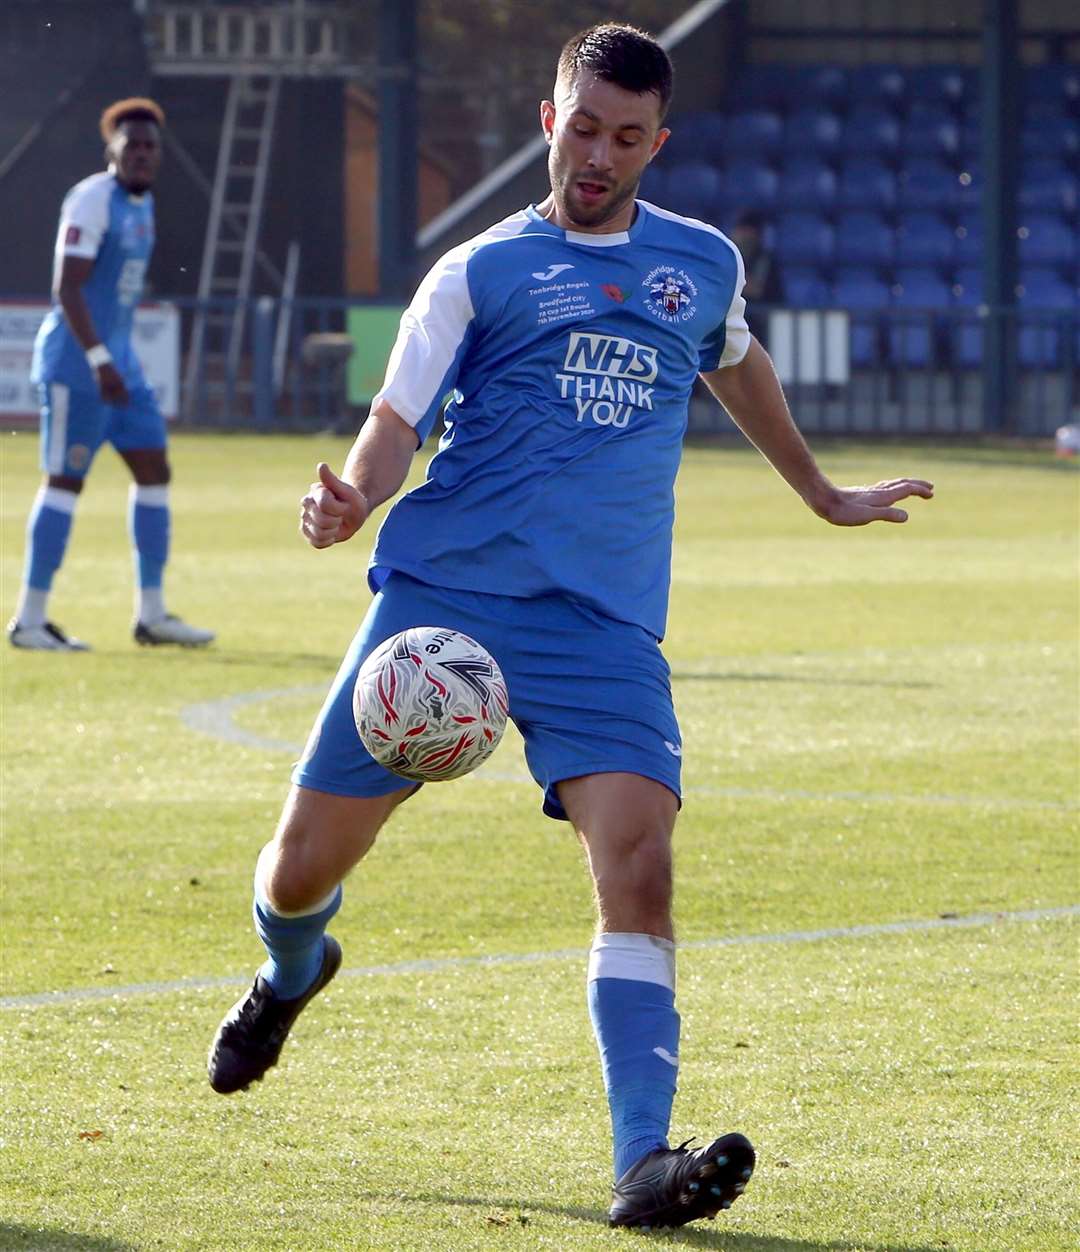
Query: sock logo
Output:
(665,1055)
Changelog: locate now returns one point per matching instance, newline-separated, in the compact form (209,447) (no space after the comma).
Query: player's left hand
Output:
(858,506)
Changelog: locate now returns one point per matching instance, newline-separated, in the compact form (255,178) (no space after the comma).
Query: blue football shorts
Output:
(589,694)
(74,424)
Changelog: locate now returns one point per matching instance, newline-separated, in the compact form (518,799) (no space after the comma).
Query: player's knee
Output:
(636,874)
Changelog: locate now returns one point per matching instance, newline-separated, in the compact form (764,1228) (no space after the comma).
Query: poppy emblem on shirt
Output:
(614,292)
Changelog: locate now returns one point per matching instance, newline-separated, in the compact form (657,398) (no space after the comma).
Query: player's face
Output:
(135,151)
(601,138)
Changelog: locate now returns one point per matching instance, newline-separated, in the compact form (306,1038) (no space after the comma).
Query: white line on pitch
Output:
(439,964)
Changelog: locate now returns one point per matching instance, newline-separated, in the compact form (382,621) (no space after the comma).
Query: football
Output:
(430,704)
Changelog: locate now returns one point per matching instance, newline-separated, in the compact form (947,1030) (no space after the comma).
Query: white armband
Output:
(98,355)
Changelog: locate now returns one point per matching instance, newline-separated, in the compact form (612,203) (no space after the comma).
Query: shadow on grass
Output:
(505,1211)
(677,676)
(42,1239)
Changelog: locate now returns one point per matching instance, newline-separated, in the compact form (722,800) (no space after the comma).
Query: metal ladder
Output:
(232,237)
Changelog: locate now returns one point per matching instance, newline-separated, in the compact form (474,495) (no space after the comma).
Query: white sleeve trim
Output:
(84,218)
(431,332)
(737,337)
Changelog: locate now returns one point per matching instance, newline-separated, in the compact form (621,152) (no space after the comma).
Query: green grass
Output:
(880,726)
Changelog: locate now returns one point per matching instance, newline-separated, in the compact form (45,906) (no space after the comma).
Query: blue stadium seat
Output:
(863,238)
(969,186)
(1048,185)
(765,85)
(754,131)
(696,136)
(871,128)
(827,84)
(1037,111)
(969,328)
(803,238)
(885,84)
(813,129)
(694,188)
(866,183)
(1058,137)
(863,295)
(927,183)
(968,285)
(969,238)
(752,182)
(952,84)
(935,136)
(807,180)
(654,184)
(1044,295)
(924,238)
(1046,239)
(1056,81)
(913,336)
(805,288)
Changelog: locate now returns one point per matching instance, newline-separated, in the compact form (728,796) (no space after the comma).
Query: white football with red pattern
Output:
(430,704)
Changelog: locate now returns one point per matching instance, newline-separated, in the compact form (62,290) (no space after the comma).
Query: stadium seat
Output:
(803,238)
(863,238)
(927,183)
(694,188)
(883,84)
(1048,185)
(866,183)
(969,186)
(924,238)
(695,137)
(827,84)
(812,129)
(1038,111)
(1056,81)
(1044,296)
(913,335)
(871,128)
(969,238)
(1046,239)
(930,135)
(804,288)
(952,84)
(807,181)
(754,131)
(770,84)
(1058,137)
(654,184)
(863,295)
(752,182)
(968,328)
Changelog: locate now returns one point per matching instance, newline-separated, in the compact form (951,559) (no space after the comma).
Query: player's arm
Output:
(751,393)
(72,275)
(335,508)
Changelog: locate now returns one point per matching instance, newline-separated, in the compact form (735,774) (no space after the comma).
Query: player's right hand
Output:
(111,385)
(332,511)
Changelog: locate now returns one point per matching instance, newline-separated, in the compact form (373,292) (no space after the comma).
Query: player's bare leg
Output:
(320,837)
(625,822)
(149,524)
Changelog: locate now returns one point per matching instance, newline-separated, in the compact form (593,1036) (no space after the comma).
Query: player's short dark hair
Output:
(620,54)
(133,109)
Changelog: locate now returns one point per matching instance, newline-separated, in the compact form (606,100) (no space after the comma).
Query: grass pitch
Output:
(880,727)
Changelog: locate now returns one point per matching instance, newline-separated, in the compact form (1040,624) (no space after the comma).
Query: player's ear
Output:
(661,139)
(547,119)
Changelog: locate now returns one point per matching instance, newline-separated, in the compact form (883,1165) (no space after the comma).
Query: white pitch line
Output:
(440,964)
(215,718)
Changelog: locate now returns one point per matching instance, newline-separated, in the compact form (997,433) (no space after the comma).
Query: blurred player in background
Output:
(92,386)
(570,335)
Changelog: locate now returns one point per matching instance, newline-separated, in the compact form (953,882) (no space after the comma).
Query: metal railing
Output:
(889,372)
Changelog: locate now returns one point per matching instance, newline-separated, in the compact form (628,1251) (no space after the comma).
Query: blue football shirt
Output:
(570,357)
(100,220)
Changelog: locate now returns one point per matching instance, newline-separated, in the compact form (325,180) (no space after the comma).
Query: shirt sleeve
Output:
(430,344)
(84,219)
(729,344)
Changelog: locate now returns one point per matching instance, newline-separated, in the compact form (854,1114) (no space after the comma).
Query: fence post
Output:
(262,334)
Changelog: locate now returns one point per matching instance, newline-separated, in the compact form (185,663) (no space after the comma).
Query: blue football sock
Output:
(632,1005)
(148,526)
(47,530)
(294,943)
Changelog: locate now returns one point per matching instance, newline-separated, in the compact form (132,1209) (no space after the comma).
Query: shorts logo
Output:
(670,294)
(78,456)
(606,376)
(674,748)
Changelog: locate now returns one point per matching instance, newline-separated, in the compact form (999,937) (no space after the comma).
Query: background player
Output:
(570,335)
(92,387)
